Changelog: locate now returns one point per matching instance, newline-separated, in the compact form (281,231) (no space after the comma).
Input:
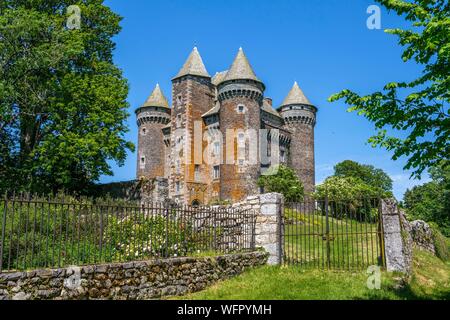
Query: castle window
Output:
(144,131)
(216,172)
(179,100)
(179,121)
(217,148)
(197,172)
(241,139)
(178,167)
(283,156)
(178,187)
(240,109)
(142,162)
(241,146)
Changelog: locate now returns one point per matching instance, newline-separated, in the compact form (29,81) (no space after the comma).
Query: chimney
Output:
(269,101)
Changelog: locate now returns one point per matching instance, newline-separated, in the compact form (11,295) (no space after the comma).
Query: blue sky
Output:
(323,45)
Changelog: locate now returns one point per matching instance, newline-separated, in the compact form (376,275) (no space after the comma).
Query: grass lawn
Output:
(430,280)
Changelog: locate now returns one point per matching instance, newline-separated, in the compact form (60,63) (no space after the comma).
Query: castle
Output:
(217,118)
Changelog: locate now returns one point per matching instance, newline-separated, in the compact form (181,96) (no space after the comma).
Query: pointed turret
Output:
(193,66)
(296,96)
(241,69)
(240,95)
(299,117)
(152,116)
(156,99)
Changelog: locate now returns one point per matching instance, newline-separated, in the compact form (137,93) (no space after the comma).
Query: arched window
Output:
(196,203)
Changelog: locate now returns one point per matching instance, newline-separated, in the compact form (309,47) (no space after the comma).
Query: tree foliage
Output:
(62,99)
(419,107)
(431,201)
(353,181)
(284,181)
(346,189)
(367,173)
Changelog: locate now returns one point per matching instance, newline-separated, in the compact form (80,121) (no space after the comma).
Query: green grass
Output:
(430,280)
(352,244)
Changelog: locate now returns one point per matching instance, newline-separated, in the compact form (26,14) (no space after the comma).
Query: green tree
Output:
(431,201)
(62,99)
(284,181)
(419,107)
(345,189)
(367,173)
(351,192)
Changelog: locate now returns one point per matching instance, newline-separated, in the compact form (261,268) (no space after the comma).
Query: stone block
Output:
(270,209)
(270,198)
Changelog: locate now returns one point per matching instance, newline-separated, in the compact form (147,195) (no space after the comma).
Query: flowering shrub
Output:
(133,238)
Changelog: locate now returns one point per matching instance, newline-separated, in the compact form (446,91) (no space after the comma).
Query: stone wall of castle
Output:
(238,180)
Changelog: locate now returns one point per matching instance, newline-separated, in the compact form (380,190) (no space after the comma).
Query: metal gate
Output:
(326,234)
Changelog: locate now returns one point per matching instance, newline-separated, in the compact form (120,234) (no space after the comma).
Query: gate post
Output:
(396,237)
(269,226)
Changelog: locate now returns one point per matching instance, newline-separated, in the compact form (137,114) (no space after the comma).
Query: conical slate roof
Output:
(157,99)
(268,108)
(241,69)
(296,96)
(193,66)
(218,77)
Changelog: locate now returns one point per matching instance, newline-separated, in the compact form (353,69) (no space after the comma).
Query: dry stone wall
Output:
(144,280)
(422,236)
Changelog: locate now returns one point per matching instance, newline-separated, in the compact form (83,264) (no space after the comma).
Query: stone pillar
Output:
(397,239)
(268,227)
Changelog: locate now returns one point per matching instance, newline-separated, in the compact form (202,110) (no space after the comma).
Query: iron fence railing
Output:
(38,232)
(333,234)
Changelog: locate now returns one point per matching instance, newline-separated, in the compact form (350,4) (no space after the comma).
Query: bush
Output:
(43,234)
(283,180)
(149,236)
(441,243)
(68,231)
(431,201)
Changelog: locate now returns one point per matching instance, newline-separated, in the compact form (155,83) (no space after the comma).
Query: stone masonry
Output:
(268,228)
(397,237)
(153,279)
(231,102)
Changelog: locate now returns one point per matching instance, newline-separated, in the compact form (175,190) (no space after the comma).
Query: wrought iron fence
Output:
(333,234)
(38,232)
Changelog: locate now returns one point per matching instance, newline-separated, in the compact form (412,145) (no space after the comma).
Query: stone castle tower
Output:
(204,146)
(299,117)
(151,118)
